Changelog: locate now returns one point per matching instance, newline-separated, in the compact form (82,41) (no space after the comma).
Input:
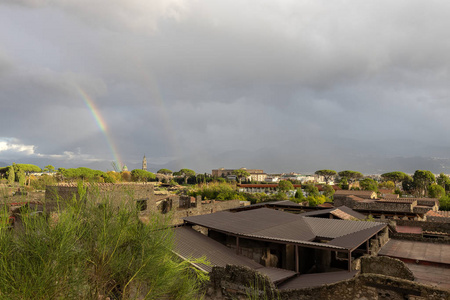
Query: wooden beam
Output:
(296,259)
(237,245)
(349,261)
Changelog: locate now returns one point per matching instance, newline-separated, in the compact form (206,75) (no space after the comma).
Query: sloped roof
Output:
(274,225)
(333,228)
(190,244)
(342,212)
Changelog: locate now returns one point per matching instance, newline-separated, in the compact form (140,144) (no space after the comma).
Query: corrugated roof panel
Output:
(355,239)
(192,244)
(333,228)
(244,222)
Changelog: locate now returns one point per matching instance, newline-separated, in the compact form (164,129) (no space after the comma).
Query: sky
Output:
(284,86)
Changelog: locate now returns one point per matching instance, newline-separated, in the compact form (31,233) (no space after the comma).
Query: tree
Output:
(368,184)
(49,168)
(241,173)
(299,197)
(327,174)
(443,181)
(186,173)
(328,191)
(422,180)
(387,185)
(312,190)
(351,175)
(11,175)
(436,191)
(164,171)
(444,202)
(142,175)
(27,168)
(285,186)
(396,176)
(21,177)
(408,185)
(316,200)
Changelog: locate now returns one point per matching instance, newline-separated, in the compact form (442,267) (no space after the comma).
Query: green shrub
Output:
(92,251)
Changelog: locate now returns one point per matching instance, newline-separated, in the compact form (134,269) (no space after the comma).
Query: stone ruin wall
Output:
(178,207)
(237,282)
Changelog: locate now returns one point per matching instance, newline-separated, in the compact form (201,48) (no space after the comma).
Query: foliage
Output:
(299,197)
(328,190)
(93,252)
(327,174)
(368,184)
(316,200)
(49,168)
(443,181)
(436,191)
(83,174)
(311,190)
(216,191)
(285,186)
(257,197)
(40,182)
(241,173)
(11,175)
(408,185)
(164,171)
(386,185)
(185,173)
(21,178)
(422,180)
(343,183)
(126,176)
(444,202)
(27,168)
(395,176)
(142,175)
(351,175)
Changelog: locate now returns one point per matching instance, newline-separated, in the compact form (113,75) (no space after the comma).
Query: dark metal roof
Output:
(282,203)
(274,225)
(190,244)
(244,222)
(353,240)
(343,208)
(333,228)
(317,279)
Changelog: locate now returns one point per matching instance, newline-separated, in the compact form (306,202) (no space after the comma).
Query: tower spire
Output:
(144,163)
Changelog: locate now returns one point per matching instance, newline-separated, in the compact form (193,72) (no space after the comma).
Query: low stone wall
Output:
(419,238)
(384,265)
(235,282)
(426,226)
(202,209)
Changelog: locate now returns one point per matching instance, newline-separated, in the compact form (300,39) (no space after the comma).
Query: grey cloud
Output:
(302,82)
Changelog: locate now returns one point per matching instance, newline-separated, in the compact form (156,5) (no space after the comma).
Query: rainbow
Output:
(101,125)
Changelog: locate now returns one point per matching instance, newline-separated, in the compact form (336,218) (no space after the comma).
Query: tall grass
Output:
(92,251)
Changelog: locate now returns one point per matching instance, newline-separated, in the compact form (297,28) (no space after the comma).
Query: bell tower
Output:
(144,163)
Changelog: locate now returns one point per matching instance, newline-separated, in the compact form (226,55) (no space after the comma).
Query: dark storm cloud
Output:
(296,80)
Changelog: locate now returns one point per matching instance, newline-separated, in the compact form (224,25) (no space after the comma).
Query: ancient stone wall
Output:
(235,282)
(426,226)
(202,209)
(384,265)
